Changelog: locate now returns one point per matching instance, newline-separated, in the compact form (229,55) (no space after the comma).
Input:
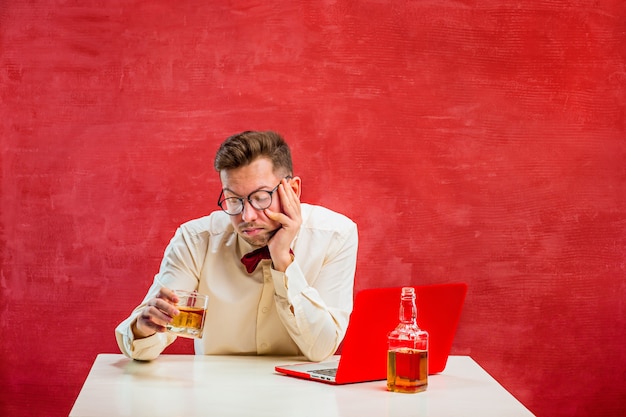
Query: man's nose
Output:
(248,213)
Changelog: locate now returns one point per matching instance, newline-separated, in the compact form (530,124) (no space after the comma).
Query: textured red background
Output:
(475,141)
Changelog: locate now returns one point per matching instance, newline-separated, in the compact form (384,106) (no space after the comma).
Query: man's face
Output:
(252,224)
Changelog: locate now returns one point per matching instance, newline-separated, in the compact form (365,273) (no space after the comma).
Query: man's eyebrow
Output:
(225,190)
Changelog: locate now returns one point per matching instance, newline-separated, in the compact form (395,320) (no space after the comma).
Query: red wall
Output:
(476,141)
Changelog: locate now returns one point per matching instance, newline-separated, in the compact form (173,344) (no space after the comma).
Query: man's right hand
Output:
(156,314)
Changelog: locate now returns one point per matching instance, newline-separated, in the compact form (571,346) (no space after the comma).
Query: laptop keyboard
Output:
(327,371)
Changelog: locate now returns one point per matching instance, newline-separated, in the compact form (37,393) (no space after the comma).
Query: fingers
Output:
(157,313)
(290,213)
(168,295)
(288,198)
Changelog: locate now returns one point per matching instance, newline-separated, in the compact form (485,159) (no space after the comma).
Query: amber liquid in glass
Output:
(407,370)
(188,323)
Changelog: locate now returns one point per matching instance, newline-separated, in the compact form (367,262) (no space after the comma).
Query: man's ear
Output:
(296,185)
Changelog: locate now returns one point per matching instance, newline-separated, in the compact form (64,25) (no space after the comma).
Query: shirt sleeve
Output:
(177,271)
(145,349)
(316,310)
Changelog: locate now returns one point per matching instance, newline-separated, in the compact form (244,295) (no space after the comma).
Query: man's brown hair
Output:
(243,148)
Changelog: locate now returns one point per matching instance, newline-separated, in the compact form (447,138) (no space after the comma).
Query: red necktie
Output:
(251,260)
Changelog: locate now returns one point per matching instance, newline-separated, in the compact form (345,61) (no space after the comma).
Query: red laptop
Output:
(375,314)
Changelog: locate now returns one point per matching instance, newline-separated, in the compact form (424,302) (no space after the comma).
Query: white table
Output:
(246,386)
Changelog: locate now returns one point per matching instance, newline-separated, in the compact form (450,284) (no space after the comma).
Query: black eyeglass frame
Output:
(221,200)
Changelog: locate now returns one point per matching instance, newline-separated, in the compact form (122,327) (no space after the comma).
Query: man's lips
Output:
(252,230)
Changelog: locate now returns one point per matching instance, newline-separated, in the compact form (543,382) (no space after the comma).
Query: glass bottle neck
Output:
(408,309)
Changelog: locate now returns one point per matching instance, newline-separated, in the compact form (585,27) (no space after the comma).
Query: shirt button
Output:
(265,309)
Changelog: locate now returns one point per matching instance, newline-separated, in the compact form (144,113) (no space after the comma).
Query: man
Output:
(297,302)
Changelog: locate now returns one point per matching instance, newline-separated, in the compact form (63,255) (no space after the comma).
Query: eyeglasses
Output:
(259,200)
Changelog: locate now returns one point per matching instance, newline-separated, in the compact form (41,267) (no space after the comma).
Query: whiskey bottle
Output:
(407,355)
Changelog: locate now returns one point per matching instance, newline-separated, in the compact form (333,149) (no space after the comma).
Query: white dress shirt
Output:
(252,313)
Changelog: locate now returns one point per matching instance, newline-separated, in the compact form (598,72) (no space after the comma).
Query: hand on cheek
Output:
(290,220)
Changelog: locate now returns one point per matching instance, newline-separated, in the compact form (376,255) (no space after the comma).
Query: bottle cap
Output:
(408,291)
